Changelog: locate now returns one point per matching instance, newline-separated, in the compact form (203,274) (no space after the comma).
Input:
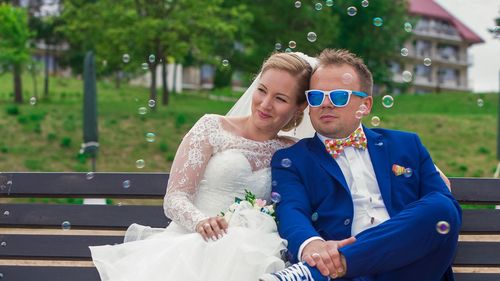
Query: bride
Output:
(218,159)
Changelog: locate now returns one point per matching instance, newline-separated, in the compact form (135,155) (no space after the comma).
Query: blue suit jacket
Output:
(312,182)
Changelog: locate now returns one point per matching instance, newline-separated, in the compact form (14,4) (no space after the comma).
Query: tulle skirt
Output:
(251,248)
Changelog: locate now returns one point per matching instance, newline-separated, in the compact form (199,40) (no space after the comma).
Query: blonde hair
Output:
(330,57)
(298,68)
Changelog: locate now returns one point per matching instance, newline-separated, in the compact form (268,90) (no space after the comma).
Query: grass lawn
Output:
(460,135)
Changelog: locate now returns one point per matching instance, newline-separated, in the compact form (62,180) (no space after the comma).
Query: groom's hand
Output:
(325,256)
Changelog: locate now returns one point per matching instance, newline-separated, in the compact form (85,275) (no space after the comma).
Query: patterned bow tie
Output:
(357,139)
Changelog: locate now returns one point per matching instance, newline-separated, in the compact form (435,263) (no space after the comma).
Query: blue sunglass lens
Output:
(315,98)
(339,98)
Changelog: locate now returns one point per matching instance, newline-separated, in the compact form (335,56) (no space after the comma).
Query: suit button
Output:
(347,221)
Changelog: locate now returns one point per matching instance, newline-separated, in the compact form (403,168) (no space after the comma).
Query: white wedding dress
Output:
(213,165)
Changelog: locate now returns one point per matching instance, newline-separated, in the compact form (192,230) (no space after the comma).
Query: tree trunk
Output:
(164,81)
(174,79)
(118,79)
(33,75)
(153,83)
(18,85)
(46,74)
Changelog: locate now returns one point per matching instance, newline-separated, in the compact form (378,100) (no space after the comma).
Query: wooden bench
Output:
(36,244)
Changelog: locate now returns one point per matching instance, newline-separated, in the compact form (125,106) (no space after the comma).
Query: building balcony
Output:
(432,84)
(435,34)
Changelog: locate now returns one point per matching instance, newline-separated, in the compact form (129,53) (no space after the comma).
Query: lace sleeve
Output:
(187,170)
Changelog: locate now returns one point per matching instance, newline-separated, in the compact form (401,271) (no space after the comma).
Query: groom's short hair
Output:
(330,57)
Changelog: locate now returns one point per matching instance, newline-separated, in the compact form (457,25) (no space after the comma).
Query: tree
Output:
(46,32)
(148,31)
(333,28)
(14,38)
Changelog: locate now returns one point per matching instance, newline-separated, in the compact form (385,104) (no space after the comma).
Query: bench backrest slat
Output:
(481,221)
(101,185)
(81,216)
(476,190)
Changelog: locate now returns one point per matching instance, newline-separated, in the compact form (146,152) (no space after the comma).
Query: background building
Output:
(437,52)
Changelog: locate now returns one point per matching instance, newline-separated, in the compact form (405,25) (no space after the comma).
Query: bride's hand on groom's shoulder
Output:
(212,228)
(325,256)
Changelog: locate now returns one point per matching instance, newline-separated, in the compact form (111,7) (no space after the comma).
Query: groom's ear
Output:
(368,102)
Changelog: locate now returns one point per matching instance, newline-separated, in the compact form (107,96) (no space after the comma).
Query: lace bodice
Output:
(212,166)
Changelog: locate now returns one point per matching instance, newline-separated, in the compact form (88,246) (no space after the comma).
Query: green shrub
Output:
(4,149)
(170,157)
(12,110)
(36,116)
(22,119)
(37,128)
(33,164)
(483,150)
(66,142)
(163,146)
(51,136)
(180,120)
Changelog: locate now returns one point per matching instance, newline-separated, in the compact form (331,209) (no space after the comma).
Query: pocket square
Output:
(398,170)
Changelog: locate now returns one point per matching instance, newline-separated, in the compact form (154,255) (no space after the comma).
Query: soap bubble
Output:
(33,100)
(152,58)
(375,121)
(352,11)
(142,110)
(298,4)
(150,137)
(66,225)
(140,163)
(314,216)
(126,58)
(443,227)
(408,27)
(318,6)
(365,3)
(378,22)
(292,44)
(387,101)
(312,37)
(408,172)
(427,62)
(275,197)
(89,175)
(407,76)
(126,184)
(404,52)
(277,46)
(225,62)
(286,163)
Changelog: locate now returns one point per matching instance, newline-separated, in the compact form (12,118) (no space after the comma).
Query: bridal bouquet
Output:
(249,202)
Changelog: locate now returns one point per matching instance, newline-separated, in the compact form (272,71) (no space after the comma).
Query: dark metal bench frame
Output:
(32,244)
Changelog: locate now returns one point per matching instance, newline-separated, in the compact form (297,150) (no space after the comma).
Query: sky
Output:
(479,15)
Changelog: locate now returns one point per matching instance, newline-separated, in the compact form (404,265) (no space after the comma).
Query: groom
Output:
(359,203)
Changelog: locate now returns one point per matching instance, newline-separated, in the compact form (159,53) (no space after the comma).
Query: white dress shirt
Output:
(369,208)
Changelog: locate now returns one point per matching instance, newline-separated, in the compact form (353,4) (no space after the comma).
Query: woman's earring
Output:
(294,125)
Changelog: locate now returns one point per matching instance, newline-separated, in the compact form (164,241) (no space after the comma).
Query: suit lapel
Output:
(326,161)
(378,149)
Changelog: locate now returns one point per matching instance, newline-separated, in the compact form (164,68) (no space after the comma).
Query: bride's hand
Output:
(212,228)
